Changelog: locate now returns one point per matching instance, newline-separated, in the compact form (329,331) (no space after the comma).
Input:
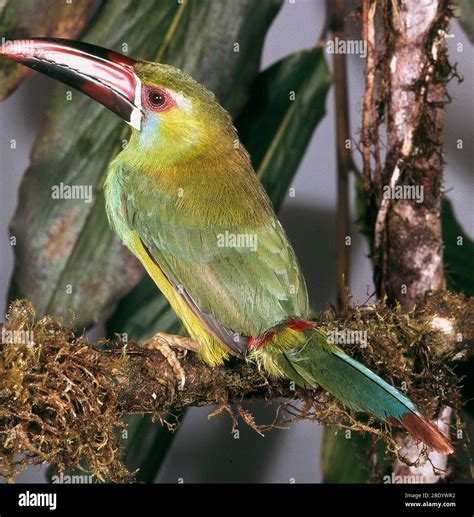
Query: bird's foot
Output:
(165,343)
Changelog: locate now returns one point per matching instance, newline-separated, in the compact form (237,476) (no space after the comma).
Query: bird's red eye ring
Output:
(157,99)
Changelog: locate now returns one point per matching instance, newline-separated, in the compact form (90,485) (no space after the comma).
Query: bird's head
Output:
(179,117)
(173,116)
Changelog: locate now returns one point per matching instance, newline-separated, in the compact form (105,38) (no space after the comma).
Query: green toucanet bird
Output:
(185,200)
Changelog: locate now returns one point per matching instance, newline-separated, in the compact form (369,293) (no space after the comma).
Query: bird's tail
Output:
(318,362)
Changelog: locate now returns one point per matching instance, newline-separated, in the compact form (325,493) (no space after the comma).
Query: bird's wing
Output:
(245,279)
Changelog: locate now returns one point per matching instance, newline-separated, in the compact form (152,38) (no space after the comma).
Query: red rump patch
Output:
(260,341)
(301,325)
(292,323)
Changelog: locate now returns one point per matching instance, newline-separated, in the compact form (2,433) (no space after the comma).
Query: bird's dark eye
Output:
(156,98)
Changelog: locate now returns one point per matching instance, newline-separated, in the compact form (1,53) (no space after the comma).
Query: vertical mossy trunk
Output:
(416,73)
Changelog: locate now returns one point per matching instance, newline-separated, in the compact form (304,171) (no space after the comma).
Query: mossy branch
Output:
(62,399)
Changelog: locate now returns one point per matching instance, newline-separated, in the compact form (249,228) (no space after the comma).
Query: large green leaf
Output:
(344,457)
(221,46)
(66,254)
(272,126)
(287,103)
(458,252)
(147,447)
(20,19)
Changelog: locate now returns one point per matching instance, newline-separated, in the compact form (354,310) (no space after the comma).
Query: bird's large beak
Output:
(104,75)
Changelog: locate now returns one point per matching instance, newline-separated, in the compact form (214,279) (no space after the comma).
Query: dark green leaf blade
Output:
(344,457)
(458,252)
(211,56)
(286,105)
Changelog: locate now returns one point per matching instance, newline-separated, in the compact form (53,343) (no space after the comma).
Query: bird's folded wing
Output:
(246,279)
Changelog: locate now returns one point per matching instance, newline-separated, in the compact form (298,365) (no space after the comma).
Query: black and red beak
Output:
(106,76)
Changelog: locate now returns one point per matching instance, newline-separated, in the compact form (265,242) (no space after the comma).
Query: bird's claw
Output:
(160,343)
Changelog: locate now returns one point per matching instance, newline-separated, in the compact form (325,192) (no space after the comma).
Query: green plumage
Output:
(320,363)
(183,184)
(248,289)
